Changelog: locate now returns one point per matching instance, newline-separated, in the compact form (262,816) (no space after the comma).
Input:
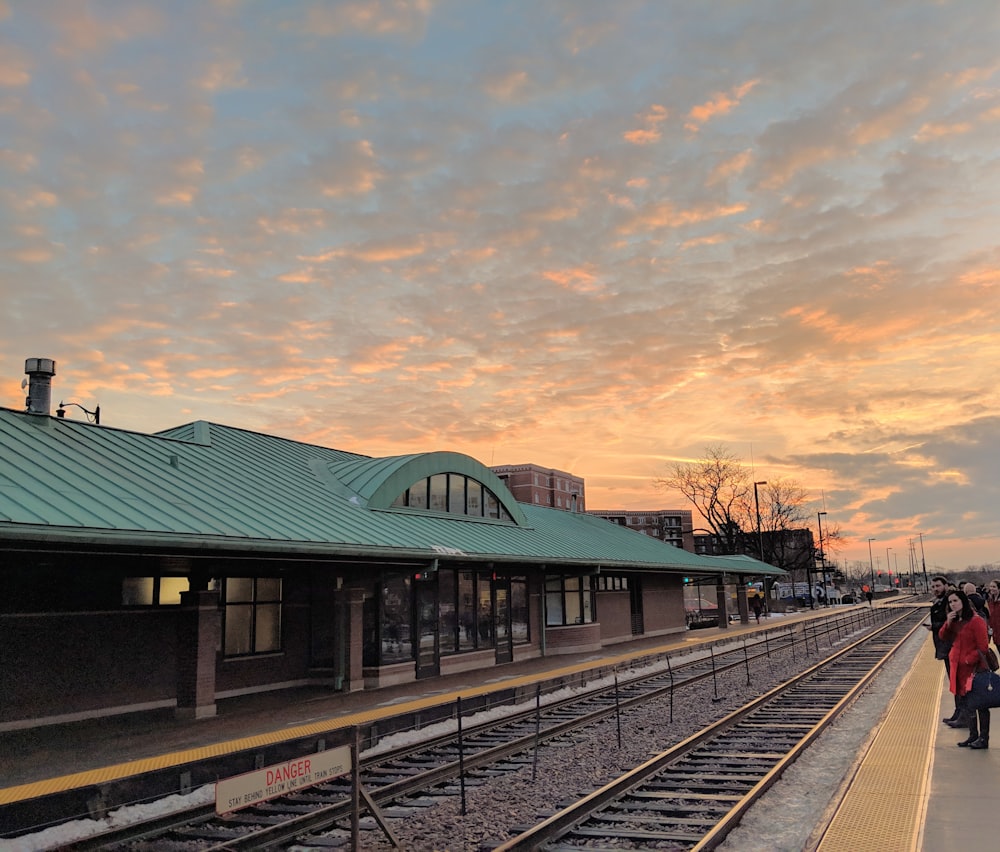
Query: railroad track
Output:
(692,795)
(444,762)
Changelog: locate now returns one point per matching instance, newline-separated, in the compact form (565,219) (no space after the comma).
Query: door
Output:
(635,605)
(425,604)
(505,646)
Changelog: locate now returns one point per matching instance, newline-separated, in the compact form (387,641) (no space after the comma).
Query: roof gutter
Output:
(36,537)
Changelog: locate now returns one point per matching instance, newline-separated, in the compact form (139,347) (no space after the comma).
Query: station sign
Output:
(252,788)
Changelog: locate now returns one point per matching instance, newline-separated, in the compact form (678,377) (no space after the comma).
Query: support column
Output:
(722,602)
(197,640)
(741,599)
(350,609)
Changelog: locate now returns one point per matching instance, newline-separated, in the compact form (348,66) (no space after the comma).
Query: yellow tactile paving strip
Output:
(885,804)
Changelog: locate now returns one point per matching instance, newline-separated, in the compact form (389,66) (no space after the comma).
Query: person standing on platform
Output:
(938,619)
(976,599)
(967,633)
(757,605)
(993,604)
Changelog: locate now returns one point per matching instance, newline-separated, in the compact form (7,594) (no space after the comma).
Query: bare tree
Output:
(720,489)
(786,541)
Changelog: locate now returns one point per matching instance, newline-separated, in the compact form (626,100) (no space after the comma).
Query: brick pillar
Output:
(197,639)
(350,611)
(722,600)
(741,599)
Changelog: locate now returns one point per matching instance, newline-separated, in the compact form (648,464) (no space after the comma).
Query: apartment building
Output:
(543,486)
(673,526)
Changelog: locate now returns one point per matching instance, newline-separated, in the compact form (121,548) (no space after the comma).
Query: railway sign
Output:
(269,782)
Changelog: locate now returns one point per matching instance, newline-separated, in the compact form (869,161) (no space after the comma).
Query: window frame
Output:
(256,604)
(570,600)
(155,597)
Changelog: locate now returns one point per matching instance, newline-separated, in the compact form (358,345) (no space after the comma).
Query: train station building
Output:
(147,571)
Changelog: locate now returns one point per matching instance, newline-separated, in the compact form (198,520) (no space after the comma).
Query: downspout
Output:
(342,615)
(542,615)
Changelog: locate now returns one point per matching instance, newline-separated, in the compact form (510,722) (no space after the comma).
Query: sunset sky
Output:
(595,236)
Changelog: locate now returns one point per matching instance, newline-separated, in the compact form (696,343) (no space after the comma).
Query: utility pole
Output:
(822,558)
(923,562)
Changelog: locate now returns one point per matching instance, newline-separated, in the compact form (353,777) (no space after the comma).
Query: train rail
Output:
(692,795)
(443,761)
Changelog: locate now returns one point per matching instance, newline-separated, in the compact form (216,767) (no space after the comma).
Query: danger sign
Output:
(251,788)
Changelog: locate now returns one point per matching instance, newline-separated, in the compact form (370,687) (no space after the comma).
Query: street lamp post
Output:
(871,563)
(822,557)
(760,540)
(756,502)
(888,566)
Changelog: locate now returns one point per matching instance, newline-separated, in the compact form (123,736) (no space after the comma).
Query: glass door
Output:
(505,647)
(425,601)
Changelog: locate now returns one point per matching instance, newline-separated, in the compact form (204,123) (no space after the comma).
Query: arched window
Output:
(454,494)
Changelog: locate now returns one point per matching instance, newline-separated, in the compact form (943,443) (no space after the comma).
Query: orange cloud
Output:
(733,166)
(711,240)
(181,196)
(33,255)
(720,104)
(938,131)
(642,137)
(666,216)
(648,134)
(580,279)
(889,122)
(981,278)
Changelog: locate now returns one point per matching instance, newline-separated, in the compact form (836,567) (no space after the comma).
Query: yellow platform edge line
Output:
(105,774)
(885,804)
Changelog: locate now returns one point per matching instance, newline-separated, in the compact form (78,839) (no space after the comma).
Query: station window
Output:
(519,630)
(453,494)
(477,609)
(396,644)
(153,591)
(569,600)
(252,615)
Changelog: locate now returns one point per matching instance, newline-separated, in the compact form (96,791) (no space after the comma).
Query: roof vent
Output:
(40,372)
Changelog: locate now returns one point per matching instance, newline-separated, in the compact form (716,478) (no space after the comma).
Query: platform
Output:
(914,789)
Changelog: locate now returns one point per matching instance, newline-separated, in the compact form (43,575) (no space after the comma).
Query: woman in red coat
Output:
(966,630)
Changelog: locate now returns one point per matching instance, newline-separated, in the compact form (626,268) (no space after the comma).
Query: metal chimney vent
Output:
(40,372)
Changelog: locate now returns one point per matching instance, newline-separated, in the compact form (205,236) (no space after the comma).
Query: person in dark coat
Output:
(939,617)
(993,603)
(977,600)
(967,632)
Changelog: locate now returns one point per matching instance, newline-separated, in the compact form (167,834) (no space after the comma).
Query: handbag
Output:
(985,691)
(990,659)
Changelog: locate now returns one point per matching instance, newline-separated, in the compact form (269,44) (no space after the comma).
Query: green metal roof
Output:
(231,490)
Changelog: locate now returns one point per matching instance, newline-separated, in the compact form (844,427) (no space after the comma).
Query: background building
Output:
(543,486)
(673,526)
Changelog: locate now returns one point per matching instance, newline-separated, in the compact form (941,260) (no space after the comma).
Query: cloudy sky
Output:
(593,236)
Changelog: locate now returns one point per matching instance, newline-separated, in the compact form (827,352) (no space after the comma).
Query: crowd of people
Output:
(962,622)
